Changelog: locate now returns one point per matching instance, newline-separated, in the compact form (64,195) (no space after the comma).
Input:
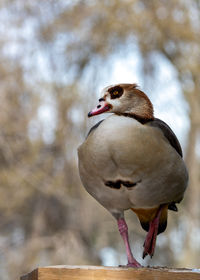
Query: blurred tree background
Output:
(55,56)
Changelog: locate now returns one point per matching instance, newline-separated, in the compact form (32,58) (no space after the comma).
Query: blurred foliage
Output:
(53,55)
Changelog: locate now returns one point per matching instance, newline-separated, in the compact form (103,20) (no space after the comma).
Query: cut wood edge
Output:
(68,272)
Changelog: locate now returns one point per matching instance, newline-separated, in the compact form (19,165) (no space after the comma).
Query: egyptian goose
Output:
(132,160)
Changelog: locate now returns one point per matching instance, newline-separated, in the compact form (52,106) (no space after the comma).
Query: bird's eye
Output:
(116,92)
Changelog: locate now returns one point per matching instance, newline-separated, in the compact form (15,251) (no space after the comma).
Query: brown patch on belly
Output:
(117,184)
(147,215)
(113,185)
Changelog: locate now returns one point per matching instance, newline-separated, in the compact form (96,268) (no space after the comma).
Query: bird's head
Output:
(124,99)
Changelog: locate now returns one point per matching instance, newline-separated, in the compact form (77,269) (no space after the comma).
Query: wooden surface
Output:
(110,273)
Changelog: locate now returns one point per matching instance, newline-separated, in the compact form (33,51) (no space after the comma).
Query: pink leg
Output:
(123,229)
(150,241)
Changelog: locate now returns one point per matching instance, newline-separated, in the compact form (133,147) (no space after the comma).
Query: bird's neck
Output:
(142,112)
(139,118)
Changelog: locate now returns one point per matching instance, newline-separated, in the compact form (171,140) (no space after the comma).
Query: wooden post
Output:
(66,272)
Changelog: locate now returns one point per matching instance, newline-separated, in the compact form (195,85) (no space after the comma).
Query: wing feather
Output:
(168,133)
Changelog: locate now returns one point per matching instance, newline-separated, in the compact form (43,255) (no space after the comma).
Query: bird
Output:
(132,160)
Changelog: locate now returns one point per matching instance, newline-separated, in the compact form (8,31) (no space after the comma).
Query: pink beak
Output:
(101,108)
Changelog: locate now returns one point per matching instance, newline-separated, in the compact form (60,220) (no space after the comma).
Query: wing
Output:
(94,127)
(168,133)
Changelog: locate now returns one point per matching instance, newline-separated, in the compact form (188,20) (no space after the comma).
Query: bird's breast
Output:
(124,145)
(122,149)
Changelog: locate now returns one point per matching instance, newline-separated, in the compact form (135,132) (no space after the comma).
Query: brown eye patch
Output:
(116,92)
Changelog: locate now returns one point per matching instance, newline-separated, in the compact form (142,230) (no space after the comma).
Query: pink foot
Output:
(135,264)
(123,229)
(150,241)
